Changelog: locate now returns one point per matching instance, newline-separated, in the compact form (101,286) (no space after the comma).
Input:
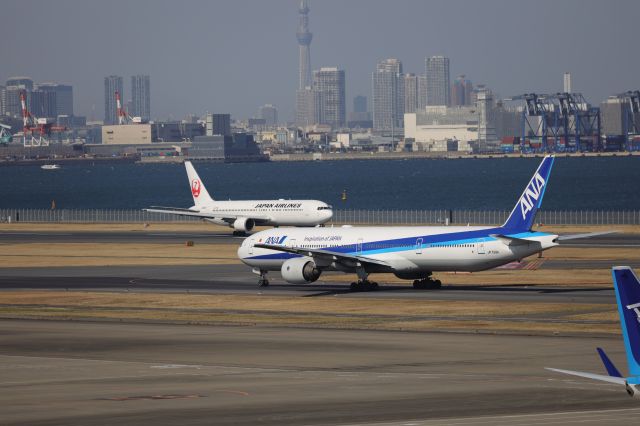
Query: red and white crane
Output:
(123,117)
(35,130)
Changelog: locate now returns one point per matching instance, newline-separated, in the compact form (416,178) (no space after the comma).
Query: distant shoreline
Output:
(432,156)
(317,157)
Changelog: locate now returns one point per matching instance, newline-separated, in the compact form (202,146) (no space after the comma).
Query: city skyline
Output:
(200,77)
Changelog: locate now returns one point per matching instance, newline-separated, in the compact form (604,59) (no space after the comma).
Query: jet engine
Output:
(300,270)
(243,224)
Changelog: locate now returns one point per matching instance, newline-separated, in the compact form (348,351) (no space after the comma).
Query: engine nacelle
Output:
(243,224)
(300,270)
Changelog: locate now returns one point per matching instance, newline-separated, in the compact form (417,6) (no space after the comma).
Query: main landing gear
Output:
(427,284)
(363,284)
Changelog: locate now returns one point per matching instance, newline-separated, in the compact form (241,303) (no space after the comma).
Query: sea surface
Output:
(583,183)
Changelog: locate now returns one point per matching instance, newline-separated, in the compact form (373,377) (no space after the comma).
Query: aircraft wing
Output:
(205,215)
(601,377)
(326,254)
(587,235)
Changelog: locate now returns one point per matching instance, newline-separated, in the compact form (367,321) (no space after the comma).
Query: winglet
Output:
(524,212)
(200,194)
(628,297)
(611,369)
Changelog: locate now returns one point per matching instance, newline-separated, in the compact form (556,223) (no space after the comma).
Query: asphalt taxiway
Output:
(238,279)
(79,373)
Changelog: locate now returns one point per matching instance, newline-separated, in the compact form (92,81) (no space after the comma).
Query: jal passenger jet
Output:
(412,253)
(242,216)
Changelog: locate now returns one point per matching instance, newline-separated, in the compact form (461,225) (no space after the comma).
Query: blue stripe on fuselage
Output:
(410,243)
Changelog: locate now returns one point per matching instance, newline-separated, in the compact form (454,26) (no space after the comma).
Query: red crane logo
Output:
(195,187)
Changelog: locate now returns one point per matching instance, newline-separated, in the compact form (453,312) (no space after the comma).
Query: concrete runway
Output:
(81,373)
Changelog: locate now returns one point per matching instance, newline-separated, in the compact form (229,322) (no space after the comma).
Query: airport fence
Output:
(355,217)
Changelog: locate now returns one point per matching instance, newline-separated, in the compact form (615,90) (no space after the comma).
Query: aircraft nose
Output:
(242,252)
(328,215)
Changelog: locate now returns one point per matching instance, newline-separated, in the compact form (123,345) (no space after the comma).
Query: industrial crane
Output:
(36,128)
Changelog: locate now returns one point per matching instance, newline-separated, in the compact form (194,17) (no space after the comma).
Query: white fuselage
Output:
(409,251)
(271,212)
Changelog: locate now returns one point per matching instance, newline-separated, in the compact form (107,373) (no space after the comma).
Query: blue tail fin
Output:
(611,369)
(524,212)
(628,295)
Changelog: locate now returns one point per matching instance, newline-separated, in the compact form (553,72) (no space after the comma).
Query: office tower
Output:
(410,93)
(438,85)
(422,92)
(3,100)
(388,95)
(304,95)
(329,97)
(63,95)
(14,86)
(461,90)
(140,97)
(112,84)
(567,82)
(269,114)
(487,138)
(218,124)
(360,104)
(43,104)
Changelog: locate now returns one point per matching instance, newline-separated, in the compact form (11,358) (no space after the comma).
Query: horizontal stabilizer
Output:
(602,378)
(587,235)
(511,241)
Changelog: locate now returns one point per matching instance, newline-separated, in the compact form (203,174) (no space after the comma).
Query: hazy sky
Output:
(235,55)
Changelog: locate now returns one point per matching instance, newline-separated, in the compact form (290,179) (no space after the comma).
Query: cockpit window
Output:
(325,208)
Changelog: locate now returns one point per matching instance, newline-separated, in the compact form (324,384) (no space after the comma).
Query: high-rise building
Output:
(218,124)
(461,90)
(388,95)
(410,93)
(14,86)
(438,85)
(269,114)
(422,92)
(63,95)
(3,100)
(360,103)
(487,138)
(567,82)
(112,84)
(329,97)
(304,95)
(43,104)
(141,97)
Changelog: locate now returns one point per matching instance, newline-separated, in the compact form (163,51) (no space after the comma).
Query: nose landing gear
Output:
(262,281)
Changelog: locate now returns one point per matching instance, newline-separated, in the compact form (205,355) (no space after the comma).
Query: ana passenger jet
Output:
(301,255)
(628,297)
(242,216)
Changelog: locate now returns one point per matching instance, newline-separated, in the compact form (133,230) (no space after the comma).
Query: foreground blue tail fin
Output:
(524,212)
(611,369)
(628,296)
